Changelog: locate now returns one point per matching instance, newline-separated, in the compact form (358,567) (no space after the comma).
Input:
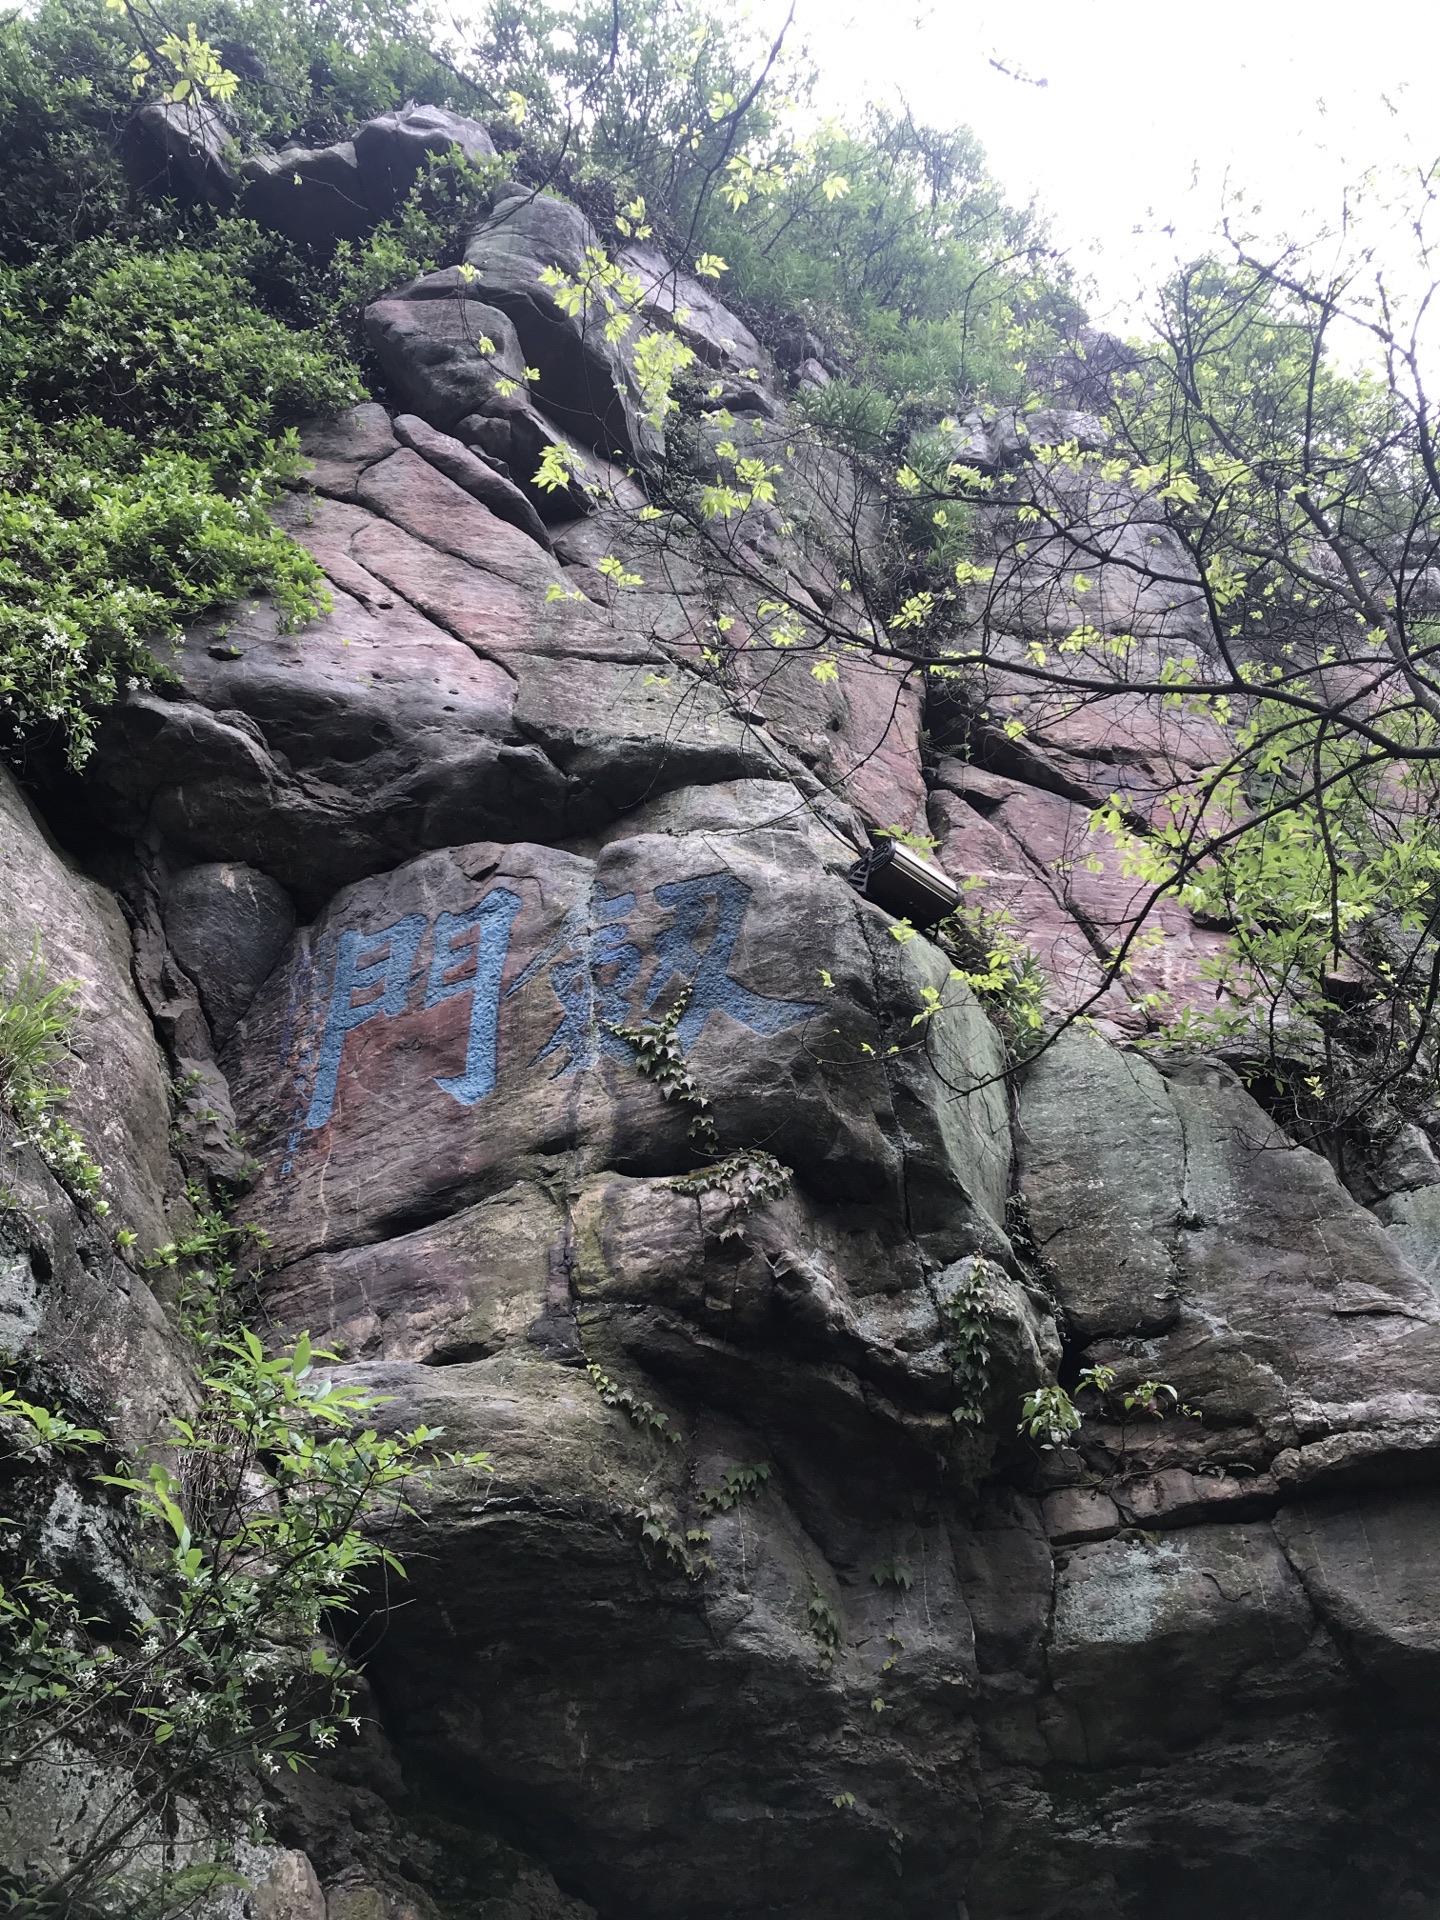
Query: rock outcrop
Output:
(768,1612)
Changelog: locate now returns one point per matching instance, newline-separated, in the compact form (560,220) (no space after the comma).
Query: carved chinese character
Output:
(472,947)
(364,963)
(593,969)
(678,950)
(468,957)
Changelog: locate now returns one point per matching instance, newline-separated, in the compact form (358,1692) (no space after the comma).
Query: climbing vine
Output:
(967,1313)
(747,1179)
(660,1057)
(640,1413)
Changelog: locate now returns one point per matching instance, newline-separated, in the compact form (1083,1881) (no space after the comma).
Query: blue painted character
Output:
(481,935)
(387,967)
(595,967)
(678,950)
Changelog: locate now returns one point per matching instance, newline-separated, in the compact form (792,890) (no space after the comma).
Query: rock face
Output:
(767,1614)
(317,195)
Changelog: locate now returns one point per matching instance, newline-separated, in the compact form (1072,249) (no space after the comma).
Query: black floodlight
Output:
(904,884)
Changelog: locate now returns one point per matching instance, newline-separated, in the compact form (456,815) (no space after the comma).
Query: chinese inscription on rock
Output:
(593,965)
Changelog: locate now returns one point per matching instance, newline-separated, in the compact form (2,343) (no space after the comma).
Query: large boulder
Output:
(675,299)
(313,195)
(587,381)
(316,196)
(447,353)
(768,1608)
(458,363)
(470,1188)
(509,1055)
(391,149)
(227,925)
(186,147)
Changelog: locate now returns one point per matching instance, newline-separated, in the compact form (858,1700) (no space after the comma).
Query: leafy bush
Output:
(256,1537)
(632,96)
(98,567)
(34,1027)
(170,348)
(893,240)
(303,68)
(854,415)
(63,93)
(145,408)
(888,236)
(426,231)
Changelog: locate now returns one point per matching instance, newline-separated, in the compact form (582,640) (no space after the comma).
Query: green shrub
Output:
(145,414)
(170,348)
(34,1027)
(35,1023)
(101,561)
(261,1534)
(303,67)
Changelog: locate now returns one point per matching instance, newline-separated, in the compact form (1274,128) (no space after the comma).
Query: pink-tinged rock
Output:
(1177,1498)
(1170,951)
(1154,747)
(412,493)
(877,753)
(499,620)
(338,450)
(320,755)
(972,847)
(300,686)
(487,611)
(289,1891)
(487,484)
(984,789)
(861,732)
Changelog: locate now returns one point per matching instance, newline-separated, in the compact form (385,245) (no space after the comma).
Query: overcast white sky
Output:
(1148,108)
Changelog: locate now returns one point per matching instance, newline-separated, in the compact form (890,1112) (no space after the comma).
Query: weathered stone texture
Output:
(419,866)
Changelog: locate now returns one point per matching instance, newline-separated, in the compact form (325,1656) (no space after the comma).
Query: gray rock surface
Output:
(586,380)
(447,353)
(119,1098)
(676,299)
(312,195)
(190,145)
(227,925)
(318,195)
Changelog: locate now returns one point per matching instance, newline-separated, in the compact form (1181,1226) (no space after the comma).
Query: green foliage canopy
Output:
(146,408)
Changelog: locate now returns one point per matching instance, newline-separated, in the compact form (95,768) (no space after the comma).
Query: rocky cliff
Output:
(768,1610)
